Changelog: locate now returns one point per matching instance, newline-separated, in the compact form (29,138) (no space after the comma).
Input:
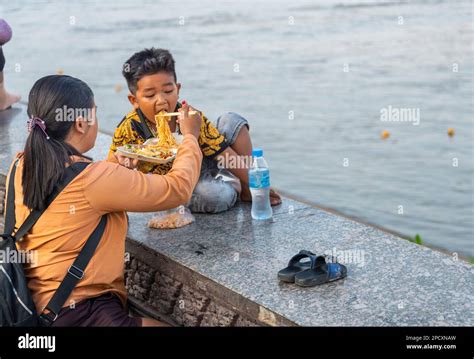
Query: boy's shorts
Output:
(218,189)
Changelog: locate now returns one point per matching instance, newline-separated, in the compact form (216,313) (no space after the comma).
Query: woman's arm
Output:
(111,187)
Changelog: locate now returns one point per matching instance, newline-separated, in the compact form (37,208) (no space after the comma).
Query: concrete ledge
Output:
(391,281)
(221,270)
(162,289)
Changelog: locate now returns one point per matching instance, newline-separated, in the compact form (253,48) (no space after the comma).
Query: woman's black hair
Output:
(45,159)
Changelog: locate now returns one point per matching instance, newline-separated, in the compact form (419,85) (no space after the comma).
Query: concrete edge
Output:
(221,294)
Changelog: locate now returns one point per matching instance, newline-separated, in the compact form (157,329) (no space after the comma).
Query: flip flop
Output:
(295,266)
(320,273)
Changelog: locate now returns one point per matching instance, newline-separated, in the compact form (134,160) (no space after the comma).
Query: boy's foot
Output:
(275,198)
(7,100)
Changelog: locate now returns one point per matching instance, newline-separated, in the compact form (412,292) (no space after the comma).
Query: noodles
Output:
(165,137)
(147,152)
(162,149)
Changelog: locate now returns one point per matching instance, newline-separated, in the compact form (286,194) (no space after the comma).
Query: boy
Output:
(152,81)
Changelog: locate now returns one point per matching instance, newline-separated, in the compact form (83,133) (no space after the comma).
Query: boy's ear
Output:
(133,100)
(178,86)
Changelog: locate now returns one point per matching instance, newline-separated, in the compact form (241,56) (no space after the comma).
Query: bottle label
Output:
(259,178)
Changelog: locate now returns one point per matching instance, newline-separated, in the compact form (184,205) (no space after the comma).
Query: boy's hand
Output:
(125,161)
(189,123)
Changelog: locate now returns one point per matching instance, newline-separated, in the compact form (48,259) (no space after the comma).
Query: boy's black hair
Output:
(147,62)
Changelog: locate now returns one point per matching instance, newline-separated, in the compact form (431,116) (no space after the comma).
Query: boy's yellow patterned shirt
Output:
(134,130)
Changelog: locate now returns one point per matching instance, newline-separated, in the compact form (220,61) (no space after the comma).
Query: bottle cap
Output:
(257,152)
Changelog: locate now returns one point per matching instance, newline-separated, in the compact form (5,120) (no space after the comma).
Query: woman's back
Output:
(102,188)
(57,238)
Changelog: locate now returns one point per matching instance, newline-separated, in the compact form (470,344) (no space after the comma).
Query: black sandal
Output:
(320,273)
(295,266)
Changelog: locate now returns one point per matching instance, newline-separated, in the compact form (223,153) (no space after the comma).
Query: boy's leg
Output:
(236,130)
(211,194)
(6,99)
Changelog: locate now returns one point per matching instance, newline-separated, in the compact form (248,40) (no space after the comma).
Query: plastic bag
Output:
(172,218)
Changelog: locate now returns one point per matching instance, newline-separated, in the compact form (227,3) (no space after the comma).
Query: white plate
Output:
(127,153)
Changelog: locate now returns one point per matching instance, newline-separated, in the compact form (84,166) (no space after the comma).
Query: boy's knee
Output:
(230,124)
(212,197)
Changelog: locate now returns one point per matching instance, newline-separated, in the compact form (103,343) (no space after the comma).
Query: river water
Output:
(312,77)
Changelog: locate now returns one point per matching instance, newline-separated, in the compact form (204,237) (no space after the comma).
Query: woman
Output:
(103,188)
(6,99)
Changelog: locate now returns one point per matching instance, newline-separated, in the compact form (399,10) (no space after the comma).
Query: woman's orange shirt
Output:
(102,188)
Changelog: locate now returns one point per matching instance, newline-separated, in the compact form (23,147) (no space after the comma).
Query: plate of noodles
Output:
(149,153)
(161,149)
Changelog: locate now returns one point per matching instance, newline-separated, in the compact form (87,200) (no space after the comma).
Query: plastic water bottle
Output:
(259,183)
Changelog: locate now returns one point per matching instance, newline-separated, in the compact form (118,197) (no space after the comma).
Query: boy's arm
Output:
(212,142)
(240,171)
(214,145)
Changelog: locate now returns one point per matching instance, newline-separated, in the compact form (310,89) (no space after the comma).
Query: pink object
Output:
(5,32)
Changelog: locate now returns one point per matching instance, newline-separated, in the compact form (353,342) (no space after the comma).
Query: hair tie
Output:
(36,121)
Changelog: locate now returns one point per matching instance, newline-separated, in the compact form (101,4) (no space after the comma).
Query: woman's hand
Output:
(189,123)
(126,161)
